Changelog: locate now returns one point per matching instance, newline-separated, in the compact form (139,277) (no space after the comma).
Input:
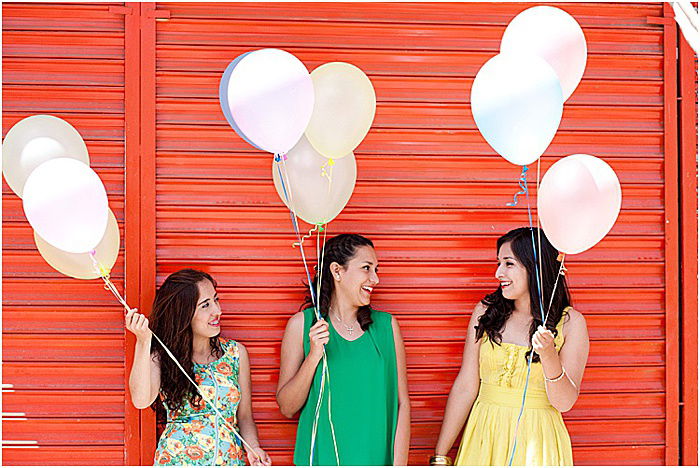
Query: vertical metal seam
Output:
(671,268)
(132,234)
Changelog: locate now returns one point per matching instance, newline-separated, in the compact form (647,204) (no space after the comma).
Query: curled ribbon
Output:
(327,172)
(317,227)
(522,182)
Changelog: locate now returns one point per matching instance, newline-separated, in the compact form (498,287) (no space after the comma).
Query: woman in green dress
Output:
(364,414)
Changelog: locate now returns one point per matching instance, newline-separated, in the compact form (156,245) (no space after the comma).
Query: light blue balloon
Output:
(223,99)
(517,104)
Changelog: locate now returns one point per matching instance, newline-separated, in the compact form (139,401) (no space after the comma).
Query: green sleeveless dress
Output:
(364,398)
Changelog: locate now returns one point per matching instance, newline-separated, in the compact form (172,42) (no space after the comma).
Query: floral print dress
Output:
(195,435)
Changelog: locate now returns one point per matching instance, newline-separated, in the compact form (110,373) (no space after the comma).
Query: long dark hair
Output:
(499,309)
(340,249)
(171,319)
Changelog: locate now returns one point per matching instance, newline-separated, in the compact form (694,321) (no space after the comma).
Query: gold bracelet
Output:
(556,379)
(440,460)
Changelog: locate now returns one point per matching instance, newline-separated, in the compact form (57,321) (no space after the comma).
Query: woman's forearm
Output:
(403,435)
(249,430)
(562,394)
(292,396)
(140,377)
(459,404)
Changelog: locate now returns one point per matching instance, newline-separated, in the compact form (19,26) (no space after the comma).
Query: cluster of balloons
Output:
(46,163)
(311,122)
(517,100)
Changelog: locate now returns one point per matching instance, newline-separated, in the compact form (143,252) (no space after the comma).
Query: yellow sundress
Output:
(488,436)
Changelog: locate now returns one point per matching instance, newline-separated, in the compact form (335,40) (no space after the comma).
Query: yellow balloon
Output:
(344,108)
(80,265)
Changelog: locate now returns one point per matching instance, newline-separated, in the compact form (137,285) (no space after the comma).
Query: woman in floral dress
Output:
(186,316)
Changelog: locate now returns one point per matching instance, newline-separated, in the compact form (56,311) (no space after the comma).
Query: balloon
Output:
(80,265)
(316,199)
(517,105)
(554,35)
(66,204)
(270,97)
(37,139)
(344,109)
(578,202)
(223,98)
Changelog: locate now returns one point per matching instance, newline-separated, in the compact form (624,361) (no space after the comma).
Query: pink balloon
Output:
(578,202)
(554,35)
(66,204)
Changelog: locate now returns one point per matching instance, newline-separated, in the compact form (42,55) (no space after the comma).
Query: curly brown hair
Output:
(499,309)
(170,320)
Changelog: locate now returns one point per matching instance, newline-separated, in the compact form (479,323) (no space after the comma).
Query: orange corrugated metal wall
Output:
(63,339)
(430,192)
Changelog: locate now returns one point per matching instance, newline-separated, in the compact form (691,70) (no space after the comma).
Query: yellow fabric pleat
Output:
(488,436)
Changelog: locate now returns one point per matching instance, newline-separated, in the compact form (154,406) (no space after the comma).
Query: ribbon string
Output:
(315,295)
(109,286)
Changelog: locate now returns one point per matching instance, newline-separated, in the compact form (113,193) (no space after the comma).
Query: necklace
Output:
(349,330)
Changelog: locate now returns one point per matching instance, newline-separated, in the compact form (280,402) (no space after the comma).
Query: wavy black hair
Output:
(499,309)
(171,318)
(340,249)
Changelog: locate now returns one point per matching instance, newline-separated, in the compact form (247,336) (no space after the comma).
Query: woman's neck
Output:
(522,305)
(343,309)
(200,347)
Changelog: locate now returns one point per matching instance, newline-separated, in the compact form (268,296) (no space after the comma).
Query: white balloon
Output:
(517,105)
(554,35)
(35,140)
(270,98)
(66,204)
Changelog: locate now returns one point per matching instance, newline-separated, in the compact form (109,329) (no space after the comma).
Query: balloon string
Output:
(562,272)
(522,409)
(280,160)
(325,379)
(288,195)
(100,269)
(539,232)
(523,185)
(522,182)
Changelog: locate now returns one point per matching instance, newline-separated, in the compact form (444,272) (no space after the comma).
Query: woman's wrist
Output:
(440,460)
(144,340)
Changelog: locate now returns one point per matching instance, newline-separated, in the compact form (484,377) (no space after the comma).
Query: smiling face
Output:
(207,314)
(354,282)
(511,274)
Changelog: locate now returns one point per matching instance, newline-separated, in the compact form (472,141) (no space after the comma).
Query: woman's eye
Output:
(204,306)
(366,267)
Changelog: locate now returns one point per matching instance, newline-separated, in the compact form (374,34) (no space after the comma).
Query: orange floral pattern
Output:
(195,435)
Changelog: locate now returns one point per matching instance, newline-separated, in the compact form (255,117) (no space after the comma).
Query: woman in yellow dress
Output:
(504,329)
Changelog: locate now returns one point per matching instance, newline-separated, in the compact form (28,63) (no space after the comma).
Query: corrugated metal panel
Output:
(63,349)
(216,204)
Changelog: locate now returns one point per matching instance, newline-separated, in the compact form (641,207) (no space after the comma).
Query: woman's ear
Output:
(336,270)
